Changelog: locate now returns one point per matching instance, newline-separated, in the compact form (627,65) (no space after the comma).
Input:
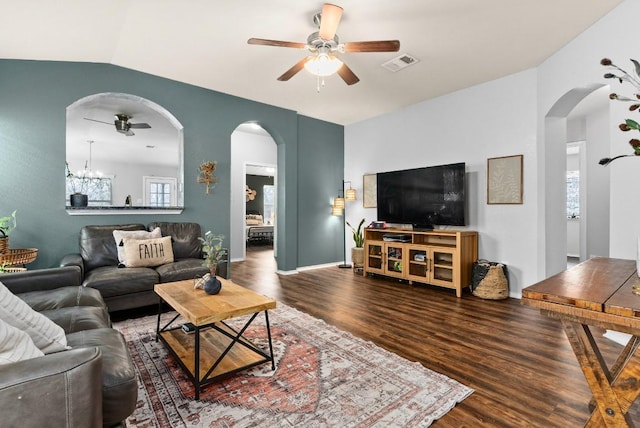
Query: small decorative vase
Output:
(79,200)
(212,285)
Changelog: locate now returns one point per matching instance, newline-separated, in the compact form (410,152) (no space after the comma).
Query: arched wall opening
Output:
(561,126)
(252,148)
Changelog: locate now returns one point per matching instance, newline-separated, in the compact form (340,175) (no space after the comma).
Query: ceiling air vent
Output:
(400,62)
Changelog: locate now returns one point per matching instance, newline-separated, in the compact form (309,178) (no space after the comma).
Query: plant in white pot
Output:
(357,252)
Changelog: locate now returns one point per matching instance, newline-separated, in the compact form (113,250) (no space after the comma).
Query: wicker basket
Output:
(18,256)
(4,244)
(494,285)
(13,269)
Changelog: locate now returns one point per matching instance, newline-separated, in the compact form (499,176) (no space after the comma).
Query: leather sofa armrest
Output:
(74,259)
(57,390)
(42,279)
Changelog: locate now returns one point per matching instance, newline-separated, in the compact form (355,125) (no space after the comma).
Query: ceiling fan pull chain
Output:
(318,83)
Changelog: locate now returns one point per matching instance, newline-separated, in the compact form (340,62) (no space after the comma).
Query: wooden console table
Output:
(599,293)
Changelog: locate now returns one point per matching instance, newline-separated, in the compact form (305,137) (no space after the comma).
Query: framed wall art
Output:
(370,190)
(504,180)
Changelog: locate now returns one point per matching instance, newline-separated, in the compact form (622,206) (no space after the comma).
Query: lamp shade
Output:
(350,194)
(338,202)
(336,210)
(323,65)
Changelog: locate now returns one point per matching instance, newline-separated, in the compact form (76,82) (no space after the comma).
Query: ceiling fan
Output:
(123,125)
(324,43)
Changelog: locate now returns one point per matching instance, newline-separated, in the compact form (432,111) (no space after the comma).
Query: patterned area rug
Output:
(324,377)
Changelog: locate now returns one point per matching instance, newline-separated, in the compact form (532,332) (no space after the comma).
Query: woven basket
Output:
(4,244)
(13,269)
(494,285)
(18,256)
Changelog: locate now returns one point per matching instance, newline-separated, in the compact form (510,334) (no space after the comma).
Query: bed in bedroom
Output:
(257,230)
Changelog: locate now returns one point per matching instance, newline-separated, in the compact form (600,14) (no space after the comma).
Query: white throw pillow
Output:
(119,236)
(147,252)
(16,345)
(46,335)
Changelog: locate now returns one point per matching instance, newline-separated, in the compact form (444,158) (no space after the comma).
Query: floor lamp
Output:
(339,208)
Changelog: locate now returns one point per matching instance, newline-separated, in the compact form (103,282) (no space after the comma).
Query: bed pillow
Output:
(16,345)
(46,335)
(119,236)
(147,252)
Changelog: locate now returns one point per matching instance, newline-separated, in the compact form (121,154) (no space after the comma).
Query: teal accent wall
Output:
(321,235)
(33,100)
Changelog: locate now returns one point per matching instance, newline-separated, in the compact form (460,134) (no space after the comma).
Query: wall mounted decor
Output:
(250,193)
(504,180)
(206,174)
(370,190)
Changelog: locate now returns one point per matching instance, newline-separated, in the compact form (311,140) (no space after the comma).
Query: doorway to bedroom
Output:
(253,195)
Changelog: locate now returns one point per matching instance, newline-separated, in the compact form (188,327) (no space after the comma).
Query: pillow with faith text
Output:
(147,252)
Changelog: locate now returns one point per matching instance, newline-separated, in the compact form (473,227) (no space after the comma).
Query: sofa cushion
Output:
(47,336)
(97,246)
(184,238)
(182,269)
(77,318)
(119,384)
(120,235)
(147,252)
(62,297)
(114,281)
(16,345)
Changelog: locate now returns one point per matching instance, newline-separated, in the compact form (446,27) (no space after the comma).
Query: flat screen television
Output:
(423,197)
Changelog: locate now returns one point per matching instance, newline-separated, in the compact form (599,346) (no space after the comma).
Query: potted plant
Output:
(78,183)
(357,252)
(7,224)
(213,255)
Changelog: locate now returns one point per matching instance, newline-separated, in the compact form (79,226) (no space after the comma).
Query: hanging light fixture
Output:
(350,194)
(323,64)
(338,202)
(337,211)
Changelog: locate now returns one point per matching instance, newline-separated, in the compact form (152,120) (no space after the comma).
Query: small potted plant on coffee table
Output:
(213,255)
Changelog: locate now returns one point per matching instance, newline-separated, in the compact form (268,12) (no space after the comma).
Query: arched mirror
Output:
(124,154)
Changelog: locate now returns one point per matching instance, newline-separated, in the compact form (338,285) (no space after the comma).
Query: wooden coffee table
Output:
(214,350)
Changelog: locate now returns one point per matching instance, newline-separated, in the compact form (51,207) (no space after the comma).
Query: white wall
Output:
(493,119)
(246,148)
(511,116)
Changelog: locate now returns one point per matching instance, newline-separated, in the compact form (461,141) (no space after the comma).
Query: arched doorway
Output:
(252,150)
(559,124)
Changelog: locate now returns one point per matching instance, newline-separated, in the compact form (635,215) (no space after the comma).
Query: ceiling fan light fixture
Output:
(323,64)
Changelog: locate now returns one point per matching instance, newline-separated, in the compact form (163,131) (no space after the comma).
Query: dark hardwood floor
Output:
(518,361)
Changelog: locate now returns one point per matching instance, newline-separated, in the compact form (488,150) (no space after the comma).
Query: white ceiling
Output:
(459,43)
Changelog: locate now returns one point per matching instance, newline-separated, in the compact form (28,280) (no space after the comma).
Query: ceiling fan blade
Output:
(347,75)
(329,20)
(294,70)
(139,125)
(279,43)
(373,46)
(127,132)
(95,120)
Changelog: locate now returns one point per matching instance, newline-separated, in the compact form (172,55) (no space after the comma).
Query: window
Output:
(573,194)
(269,202)
(160,191)
(97,190)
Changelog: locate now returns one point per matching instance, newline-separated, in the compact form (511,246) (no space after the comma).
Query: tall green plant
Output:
(358,236)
